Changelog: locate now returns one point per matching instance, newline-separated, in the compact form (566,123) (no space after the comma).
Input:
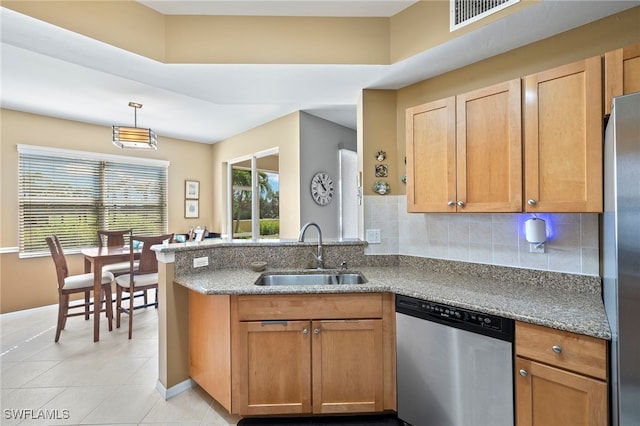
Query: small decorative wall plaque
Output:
(191,189)
(381,187)
(381,170)
(191,209)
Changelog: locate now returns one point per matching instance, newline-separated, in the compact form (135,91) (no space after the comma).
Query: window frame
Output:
(103,163)
(255,191)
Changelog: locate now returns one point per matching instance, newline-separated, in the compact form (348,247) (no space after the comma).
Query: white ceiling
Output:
(51,71)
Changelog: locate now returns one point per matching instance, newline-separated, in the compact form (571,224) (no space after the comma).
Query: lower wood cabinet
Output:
(295,354)
(551,396)
(560,378)
(310,366)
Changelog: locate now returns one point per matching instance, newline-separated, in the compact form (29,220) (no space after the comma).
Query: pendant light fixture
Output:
(134,137)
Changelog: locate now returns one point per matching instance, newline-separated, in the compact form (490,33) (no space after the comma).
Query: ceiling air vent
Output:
(464,12)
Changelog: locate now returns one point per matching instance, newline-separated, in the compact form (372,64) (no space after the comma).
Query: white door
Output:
(348,193)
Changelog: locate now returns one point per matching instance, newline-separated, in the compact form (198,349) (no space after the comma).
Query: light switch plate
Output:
(200,261)
(373,236)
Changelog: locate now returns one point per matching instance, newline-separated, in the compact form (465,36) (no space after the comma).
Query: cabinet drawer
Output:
(570,351)
(309,306)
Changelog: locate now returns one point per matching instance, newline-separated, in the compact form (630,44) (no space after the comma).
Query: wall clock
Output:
(322,189)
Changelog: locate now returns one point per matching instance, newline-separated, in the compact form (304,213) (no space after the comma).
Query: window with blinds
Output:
(73,194)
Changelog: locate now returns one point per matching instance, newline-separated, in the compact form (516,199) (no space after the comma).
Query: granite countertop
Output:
(575,311)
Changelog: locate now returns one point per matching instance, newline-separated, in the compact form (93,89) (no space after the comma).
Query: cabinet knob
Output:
(451,203)
(532,202)
(316,331)
(305,331)
(556,349)
(461,203)
(523,372)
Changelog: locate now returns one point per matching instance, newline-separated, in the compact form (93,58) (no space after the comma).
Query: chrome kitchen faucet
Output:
(318,257)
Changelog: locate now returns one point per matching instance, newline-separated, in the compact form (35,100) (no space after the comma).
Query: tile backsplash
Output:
(497,239)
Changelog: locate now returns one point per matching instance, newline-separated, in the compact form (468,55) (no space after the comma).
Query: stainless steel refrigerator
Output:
(621,256)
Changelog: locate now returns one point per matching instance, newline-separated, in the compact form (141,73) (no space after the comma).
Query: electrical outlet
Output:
(373,236)
(536,248)
(200,261)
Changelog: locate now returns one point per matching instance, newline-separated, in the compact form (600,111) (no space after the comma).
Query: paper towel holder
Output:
(535,234)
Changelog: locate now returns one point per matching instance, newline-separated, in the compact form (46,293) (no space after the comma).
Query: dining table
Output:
(94,259)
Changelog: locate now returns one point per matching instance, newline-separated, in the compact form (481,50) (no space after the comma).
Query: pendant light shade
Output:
(134,137)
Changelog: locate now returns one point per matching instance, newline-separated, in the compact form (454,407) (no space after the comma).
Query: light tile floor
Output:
(76,381)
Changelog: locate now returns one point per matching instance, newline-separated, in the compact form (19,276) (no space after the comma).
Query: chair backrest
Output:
(148,262)
(112,238)
(59,259)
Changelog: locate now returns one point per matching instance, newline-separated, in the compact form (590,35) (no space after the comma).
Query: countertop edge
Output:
(582,313)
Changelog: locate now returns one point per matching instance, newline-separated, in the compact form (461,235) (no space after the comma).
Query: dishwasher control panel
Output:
(462,318)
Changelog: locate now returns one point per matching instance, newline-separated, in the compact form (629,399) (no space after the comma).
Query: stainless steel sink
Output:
(311,278)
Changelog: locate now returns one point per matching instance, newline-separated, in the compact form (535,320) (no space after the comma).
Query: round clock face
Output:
(322,188)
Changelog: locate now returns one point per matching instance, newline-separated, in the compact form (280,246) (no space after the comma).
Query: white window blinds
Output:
(73,194)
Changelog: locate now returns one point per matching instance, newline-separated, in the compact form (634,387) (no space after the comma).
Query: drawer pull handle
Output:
(305,331)
(523,372)
(556,349)
(451,203)
(532,202)
(461,203)
(316,331)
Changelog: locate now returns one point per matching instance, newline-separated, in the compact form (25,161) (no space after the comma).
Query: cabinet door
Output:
(431,157)
(489,149)
(347,366)
(563,138)
(274,371)
(548,396)
(622,74)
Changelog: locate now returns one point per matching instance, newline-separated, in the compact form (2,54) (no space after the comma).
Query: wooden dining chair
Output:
(119,238)
(115,239)
(73,284)
(144,278)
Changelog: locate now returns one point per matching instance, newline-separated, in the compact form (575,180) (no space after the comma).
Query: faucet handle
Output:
(343,265)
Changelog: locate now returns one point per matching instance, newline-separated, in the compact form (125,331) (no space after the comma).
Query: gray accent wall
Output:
(319,143)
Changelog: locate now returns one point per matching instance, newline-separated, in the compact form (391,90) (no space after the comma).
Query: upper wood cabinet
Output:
(431,157)
(464,153)
(621,74)
(563,138)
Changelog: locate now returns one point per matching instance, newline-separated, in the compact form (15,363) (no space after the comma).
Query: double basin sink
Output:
(310,278)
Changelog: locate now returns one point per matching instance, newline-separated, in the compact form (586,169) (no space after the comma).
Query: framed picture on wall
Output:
(191,189)
(191,209)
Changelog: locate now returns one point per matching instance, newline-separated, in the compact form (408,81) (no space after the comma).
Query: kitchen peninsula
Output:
(571,303)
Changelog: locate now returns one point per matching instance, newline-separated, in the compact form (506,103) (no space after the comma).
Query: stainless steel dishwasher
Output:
(454,366)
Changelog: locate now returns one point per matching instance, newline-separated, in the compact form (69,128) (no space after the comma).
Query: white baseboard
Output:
(174,390)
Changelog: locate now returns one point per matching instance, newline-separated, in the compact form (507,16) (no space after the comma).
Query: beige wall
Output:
(425,25)
(283,134)
(26,283)
(379,134)
(218,39)
(125,24)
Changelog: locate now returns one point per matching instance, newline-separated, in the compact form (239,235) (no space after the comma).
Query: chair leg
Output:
(131,313)
(145,297)
(108,305)
(63,307)
(118,305)
(87,304)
